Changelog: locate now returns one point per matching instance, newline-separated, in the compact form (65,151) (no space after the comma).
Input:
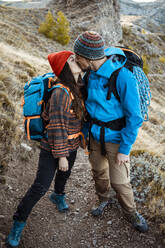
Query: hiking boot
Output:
(14,236)
(97,211)
(138,222)
(59,200)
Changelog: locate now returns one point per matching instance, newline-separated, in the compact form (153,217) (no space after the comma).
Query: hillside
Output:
(153,11)
(19,36)
(139,33)
(23,54)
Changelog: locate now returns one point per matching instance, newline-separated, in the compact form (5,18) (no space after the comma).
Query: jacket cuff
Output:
(125,149)
(59,155)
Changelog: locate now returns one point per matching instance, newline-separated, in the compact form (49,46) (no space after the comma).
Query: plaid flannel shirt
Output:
(61,121)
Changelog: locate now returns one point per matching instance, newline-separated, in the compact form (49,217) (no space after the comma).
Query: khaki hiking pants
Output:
(106,173)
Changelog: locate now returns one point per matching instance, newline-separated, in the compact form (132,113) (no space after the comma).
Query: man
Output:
(114,124)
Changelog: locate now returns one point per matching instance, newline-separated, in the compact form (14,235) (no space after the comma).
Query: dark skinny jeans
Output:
(47,167)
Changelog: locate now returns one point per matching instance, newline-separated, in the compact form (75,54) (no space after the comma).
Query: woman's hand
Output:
(83,143)
(122,158)
(63,164)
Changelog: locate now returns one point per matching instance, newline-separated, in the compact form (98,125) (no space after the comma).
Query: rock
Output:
(153,10)
(72,201)
(2,217)
(85,215)
(94,241)
(2,180)
(105,19)
(2,236)
(10,187)
(26,147)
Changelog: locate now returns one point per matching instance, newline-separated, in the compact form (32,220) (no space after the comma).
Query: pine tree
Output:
(57,30)
(47,26)
(62,29)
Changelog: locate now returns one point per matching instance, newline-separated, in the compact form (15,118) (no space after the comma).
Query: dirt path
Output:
(77,228)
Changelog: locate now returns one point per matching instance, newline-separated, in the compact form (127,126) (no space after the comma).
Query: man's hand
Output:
(63,164)
(122,158)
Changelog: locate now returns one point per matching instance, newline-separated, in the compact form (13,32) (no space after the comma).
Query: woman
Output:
(62,117)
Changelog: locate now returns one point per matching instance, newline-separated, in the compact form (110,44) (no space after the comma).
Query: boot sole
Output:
(8,245)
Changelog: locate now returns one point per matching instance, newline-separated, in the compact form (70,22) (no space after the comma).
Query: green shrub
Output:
(46,27)
(62,29)
(162,59)
(126,30)
(145,65)
(143,31)
(150,39)
(130,47)
(57,30)
(160,71)
(136,153)
(162,36)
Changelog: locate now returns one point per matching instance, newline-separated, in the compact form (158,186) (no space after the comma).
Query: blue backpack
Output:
(134,63)
(36,94)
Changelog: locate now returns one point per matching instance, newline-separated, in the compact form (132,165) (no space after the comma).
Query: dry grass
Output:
(18,67)
(126,30)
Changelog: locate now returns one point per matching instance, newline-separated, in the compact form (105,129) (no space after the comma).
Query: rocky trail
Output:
(46,227)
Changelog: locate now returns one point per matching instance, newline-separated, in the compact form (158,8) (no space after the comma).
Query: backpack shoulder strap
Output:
(59,85)
(112,85)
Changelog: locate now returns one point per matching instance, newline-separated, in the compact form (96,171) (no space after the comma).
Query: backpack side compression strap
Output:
(28,123)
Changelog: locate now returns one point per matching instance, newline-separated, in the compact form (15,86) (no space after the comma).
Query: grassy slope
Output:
(23,55)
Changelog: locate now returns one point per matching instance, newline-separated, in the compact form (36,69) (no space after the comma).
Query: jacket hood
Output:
(116,60)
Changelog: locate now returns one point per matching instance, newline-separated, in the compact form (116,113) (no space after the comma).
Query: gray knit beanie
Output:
(90,45)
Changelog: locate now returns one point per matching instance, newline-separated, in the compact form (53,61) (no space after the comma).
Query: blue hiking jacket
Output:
(107,110)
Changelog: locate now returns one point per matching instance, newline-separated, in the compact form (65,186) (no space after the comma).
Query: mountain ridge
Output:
(150,10)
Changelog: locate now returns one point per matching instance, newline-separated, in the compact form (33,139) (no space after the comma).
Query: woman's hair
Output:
(67,79)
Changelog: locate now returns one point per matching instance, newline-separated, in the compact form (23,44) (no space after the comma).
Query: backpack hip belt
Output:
(115,125)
